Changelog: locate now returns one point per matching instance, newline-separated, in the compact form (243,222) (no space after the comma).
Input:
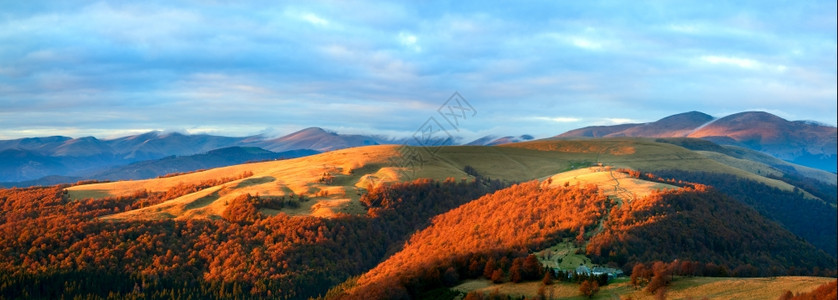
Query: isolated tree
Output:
(589,288)
(787,295)
(497,276)
(490,267)
(504,263)
(548,278)
(580,238)
(660,294)
(638,275)
(475,268)
(531,267)
(516,273)
(542,293)
(473,295)
(661,277)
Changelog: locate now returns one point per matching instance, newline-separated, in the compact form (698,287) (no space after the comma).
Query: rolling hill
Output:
(296,227)
(531,216)
(346,173)
(333,182)
(801,142)
(189,163)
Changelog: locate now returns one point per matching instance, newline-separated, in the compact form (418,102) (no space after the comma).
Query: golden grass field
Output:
(610,182)
(300,176)
(354,170)
(681,288)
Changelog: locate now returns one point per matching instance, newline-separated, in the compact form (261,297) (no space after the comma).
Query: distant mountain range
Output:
(490,140)
(316,138)
(30,159)
(800,142)
(212,159)
(49,159)
(172,165)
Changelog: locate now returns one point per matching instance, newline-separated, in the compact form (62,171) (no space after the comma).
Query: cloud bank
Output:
(114,67)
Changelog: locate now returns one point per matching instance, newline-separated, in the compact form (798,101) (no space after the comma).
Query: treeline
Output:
(655,277)
(827,192)
(827,291)
(53,247)
(808,218)
(488,237)
(700,224)
(589,284)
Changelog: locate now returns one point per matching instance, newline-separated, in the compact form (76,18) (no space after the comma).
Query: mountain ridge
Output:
(84,156)
(491,140)
(802,142)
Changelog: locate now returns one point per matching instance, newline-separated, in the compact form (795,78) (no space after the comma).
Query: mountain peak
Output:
(317,130)
(317,138)
(310,132)
(677,125)
(754,116)
(691,117)
(806,143)
(491,140)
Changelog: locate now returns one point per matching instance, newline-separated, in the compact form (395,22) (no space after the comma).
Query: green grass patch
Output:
(86,194)
(203,201)
(255,181)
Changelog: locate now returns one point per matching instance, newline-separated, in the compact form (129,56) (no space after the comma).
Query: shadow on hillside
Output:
(255,181)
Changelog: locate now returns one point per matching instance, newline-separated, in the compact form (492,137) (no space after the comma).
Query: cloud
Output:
(238,68)
(314,19)
(744,63)
(740,62)
(615,121)
(559,119)
(409,41)
(585,43)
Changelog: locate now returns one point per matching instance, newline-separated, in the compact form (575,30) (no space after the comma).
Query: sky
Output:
(115,68)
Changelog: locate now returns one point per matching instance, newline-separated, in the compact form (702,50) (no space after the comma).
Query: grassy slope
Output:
(681,288)
(355,169)
(612,183)
(643,154)
(754,162)
(720,288)
(298,176)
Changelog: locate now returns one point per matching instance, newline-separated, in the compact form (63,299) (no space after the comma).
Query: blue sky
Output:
(111,68)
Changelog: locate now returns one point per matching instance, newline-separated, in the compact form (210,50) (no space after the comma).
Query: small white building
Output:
(583,270)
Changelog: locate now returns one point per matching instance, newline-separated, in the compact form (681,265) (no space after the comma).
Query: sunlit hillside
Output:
(682,288)
(333,182)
